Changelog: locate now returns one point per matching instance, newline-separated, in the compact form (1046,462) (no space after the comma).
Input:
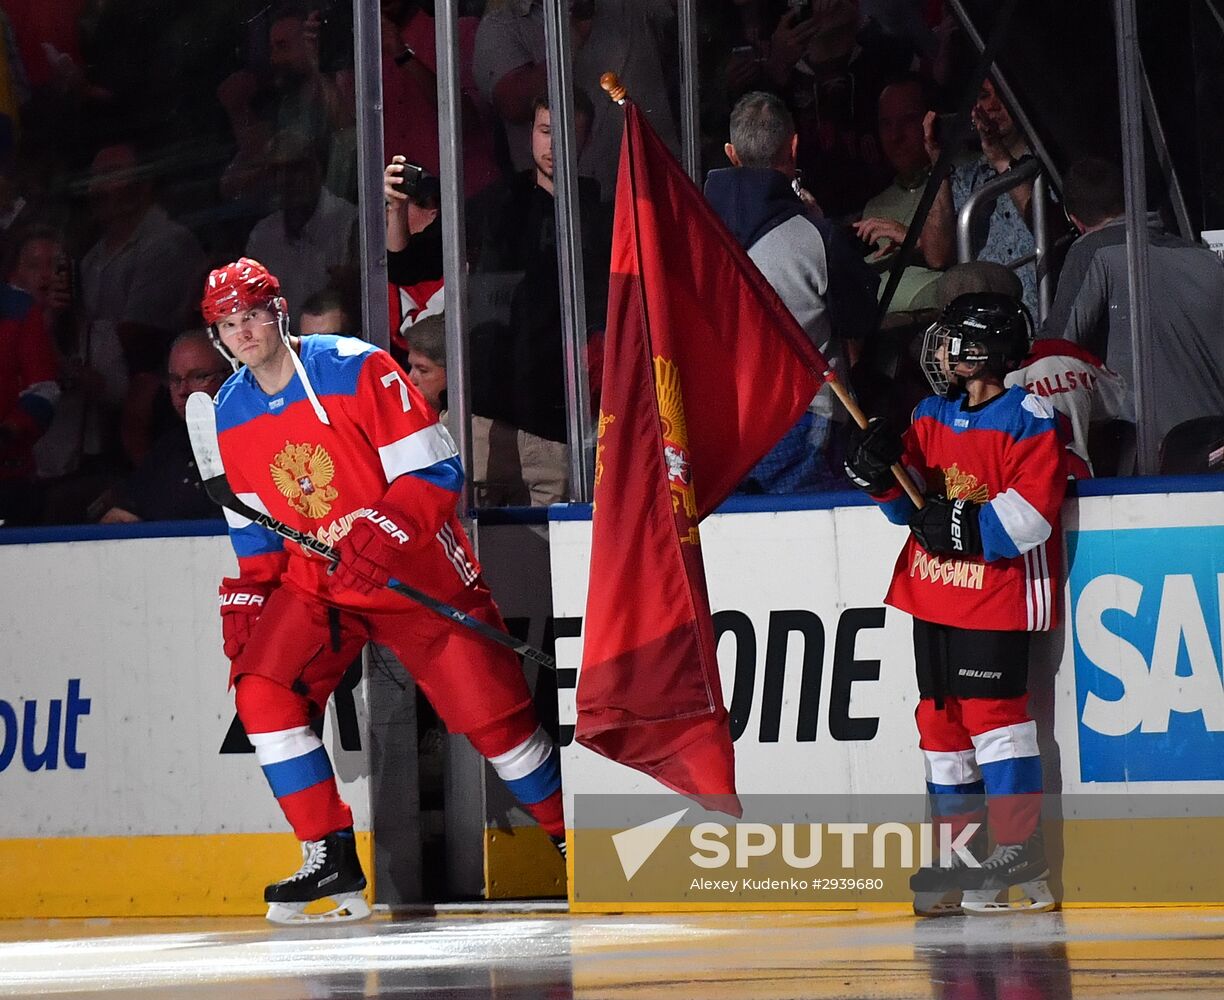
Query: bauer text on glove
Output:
(948,527)
(241,606)
(372,550)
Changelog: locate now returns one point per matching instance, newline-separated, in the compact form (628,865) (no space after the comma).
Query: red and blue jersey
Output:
(1007,455)
(383,444)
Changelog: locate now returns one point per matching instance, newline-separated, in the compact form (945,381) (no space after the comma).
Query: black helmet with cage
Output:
(985,329)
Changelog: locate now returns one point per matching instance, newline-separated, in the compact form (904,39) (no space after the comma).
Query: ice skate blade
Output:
(937,904)
(1032,897)
(349,907)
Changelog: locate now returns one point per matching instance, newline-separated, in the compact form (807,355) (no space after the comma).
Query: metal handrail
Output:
(372,248)
(1041,237)
(454,235)
(977,200)
(690,122)
(996,188)
(569,248)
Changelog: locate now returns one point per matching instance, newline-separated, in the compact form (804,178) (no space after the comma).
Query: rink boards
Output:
(126,790)
(818,677)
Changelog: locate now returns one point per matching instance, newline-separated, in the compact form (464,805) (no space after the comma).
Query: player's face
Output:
(251,335)
(959,373)
(427,376)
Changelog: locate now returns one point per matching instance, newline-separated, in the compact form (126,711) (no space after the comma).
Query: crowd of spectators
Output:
(121,185)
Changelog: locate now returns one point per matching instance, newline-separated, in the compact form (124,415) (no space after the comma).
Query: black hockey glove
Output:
(948,527)
(871,454)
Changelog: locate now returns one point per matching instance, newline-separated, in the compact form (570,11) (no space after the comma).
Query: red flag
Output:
(704,370)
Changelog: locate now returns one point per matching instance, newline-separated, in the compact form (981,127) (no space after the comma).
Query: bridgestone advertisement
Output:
(818,677)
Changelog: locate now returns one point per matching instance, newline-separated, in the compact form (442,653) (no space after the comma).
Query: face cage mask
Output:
(942,347)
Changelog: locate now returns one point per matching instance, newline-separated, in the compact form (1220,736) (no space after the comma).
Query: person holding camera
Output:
(1005,235)
(410,93)
(414,248)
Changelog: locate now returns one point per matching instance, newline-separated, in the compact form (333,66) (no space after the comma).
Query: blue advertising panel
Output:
(1146,621)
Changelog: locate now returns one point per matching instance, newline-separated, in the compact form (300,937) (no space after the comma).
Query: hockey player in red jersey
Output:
(979,573)
(329,435)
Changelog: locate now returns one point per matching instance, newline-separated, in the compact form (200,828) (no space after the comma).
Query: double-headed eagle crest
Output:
(964,486)
(304,477)
(675,446)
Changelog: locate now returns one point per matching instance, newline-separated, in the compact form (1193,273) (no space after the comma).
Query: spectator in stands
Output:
(327,311)
(814,267)
(137,285)
(427,362)
(28,394)
(298,96)
(16,210)
(39,265)
(311,237)
(414,248)
(511,71)
(518,372)
(904,104)
(1092,304)
(166,485)
(1004,235)
(830,65)
(410,98)
(73,456)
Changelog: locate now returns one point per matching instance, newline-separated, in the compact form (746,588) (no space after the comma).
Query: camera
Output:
(420,185)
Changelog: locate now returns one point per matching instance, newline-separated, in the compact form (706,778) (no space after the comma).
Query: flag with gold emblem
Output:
(704,370)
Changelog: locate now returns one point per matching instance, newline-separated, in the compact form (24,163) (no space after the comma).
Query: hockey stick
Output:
(202,429)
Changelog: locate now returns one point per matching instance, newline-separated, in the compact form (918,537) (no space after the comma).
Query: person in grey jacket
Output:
(816,268)
(1092,304)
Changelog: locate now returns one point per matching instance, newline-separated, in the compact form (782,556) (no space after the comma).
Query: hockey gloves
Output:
(871,454)
(241,606)
(948,527)
(375,543)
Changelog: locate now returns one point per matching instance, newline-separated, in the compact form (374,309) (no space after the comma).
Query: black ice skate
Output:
(937,888)
(561,845)
(1022,867)
(330,871)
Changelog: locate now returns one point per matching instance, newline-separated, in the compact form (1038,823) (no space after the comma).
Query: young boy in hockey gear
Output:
(978,573)
(329,435)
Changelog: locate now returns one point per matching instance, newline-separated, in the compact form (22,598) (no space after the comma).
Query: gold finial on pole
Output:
(611,83)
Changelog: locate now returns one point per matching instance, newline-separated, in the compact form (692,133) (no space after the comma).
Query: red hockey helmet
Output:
(244,284)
